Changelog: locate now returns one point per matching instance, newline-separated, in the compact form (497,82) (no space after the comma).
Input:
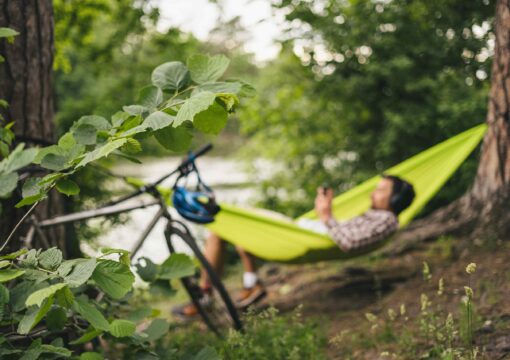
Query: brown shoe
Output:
(190,311)
(249,296)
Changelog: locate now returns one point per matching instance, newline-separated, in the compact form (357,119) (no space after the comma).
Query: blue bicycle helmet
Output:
(198,206)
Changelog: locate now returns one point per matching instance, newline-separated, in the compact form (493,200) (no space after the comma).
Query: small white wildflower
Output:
(391,314)
(371,317)
(440,289)
(426,271)
(471,268)
(402,309)
(424,302)
(469,292)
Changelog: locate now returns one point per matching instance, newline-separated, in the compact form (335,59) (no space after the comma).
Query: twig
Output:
(18,225)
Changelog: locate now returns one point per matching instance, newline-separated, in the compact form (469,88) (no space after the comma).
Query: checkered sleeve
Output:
(364,230)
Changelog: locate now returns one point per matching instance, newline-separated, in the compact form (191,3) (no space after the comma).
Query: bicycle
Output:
(221,312)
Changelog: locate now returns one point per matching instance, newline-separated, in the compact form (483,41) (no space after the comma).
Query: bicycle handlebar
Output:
(183,165)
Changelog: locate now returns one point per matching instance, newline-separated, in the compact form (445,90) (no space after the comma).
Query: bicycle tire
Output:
(210,316)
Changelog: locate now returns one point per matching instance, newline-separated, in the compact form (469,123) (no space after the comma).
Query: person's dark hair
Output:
(402,193)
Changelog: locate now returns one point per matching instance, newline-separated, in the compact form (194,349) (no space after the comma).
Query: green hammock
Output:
(283,241)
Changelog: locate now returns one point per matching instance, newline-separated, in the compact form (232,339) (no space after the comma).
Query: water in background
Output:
(225,176)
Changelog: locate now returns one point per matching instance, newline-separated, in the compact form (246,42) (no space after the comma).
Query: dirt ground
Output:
(339,294)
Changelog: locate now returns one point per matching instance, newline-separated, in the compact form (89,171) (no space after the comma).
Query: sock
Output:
(249,279)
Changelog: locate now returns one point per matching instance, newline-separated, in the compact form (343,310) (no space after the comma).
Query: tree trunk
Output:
(26,84)
(493,174)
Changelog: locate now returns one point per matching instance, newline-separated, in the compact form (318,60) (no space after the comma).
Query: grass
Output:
(267,335)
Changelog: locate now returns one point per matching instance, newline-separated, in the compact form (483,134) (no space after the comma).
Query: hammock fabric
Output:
(283,241)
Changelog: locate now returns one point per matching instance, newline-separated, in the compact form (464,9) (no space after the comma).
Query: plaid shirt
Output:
(371,227)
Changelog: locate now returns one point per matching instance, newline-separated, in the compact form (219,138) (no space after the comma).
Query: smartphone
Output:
(325,187)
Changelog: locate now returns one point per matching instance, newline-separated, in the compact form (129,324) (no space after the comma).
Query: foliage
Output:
(168,110)
(46,298)
(267,335)
(379,81)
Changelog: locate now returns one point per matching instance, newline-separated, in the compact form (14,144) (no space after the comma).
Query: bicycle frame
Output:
(117,207)
(36,226)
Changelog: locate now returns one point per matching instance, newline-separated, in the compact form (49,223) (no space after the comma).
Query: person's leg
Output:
(253,290)
(247,259)
(214,253)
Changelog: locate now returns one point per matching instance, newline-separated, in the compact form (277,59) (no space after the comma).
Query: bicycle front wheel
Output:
(219,314)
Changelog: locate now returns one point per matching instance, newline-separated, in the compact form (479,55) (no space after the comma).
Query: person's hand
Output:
(323,202)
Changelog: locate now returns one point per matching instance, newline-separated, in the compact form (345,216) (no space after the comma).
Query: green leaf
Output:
(67,187)
(7,32)
(98,122)
(36,349)
(17,159)
(229,101)
(36,275)
(54,162)
(194,105)
(114,278)
(31,187)
(50,259)
(146,269)
(220,88)
(33,316)
(150,97)
(207,353)
(8,182)
(157,329)
(65,298)
(91,356)
(171,76)
(211,121)
(161,288)
(10,274)
(4,263)
(66,141)
(56,319)
(207,69)
(90,313)
(30,259)
(52,149)
(132,146)
(120,117)
(89,335)
(4,149)
(22,291)
(139,314)
(124,254)
(4,295)
(85,134)
(135,110)
(14,255)
(37,297)
(122,328)
(58,350)
(82,270)
(31,200)
(175,139)
(102,151)
(158,120)
(176,267)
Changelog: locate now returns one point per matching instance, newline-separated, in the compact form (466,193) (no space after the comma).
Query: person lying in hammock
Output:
(391,196)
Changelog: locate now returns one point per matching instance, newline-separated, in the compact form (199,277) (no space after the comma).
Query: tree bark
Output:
(26,84)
